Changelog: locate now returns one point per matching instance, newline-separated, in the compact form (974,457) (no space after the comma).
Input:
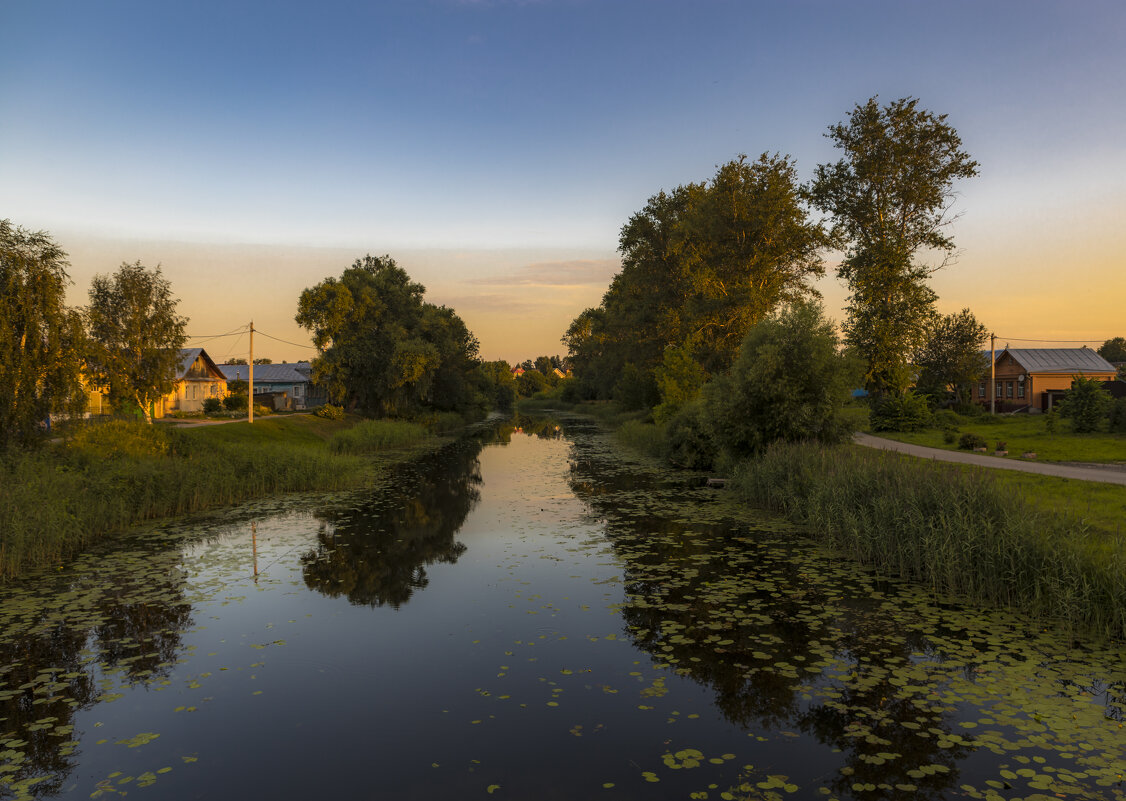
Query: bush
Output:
(788,383)
(970,409)
(1002,445)
(262,411)
(235,403)
(636,389)
(946,420)
(212,405)
(949,436)
(1086,403)
(906,412)
(679,378)
(969,442)
(1118,416)
(118,438)
(330,412)
(689,442)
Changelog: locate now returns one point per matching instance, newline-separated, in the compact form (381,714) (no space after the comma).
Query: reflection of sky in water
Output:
(465,628)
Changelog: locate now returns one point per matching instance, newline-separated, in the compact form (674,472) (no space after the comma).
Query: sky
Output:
(495,149)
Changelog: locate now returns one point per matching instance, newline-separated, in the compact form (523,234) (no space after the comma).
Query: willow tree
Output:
(890,198)
(41,340)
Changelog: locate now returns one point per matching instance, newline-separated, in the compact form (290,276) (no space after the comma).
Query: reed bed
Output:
(958,530)
(376,435)
(647,438)
(56,502)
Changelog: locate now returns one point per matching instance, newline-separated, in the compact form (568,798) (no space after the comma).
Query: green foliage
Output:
(971,442)
(375,435)
(383,350)
(700,265)
(957,531)
(236,403)
(908,411)
(531,382)
(1001,445)
(41,341)
(330,412)
(889,197)
(212,405)
(647,438)
(689,439)
(111,439)
(135,335)
(1118,416)
(1086,404)
(635,388)
(789,383)
(950,360)
(945,420)
(950,436)
(442,422)
(679,379)
(1113,350)
(497,384)
(1052,420)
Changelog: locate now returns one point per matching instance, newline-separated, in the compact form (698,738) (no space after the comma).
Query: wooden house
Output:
(1035,379)
(197,379)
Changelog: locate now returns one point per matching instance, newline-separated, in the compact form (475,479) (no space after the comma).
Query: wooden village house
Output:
(1035,379)
(197,379)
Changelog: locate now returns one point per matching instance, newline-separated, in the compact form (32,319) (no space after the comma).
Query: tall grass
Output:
(647,438)
(58,501)
(959,531)
(376,435)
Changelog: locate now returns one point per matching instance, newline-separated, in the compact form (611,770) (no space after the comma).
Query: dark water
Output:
(528,616)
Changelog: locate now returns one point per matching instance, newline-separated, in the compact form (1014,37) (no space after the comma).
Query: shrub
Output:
(946,420)
(949,436)
(679,378)
(636,389)
(235,403)
(330,412)
(262,411)
(1052,420)
(212,405)
(970,409)
(118,438)
(689,442)
(570,391)
(1118,416)
(969,442)
(1086,403)
(1002,445)
(906,412)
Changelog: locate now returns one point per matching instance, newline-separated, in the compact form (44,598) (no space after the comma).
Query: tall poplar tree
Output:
(889,198)
(40,338)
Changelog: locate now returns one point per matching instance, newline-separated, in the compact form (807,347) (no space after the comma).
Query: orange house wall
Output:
(1037,384)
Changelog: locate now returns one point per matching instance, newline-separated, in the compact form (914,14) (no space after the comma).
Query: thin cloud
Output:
(579,272)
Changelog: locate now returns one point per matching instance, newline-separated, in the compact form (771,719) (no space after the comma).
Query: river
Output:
(528,614)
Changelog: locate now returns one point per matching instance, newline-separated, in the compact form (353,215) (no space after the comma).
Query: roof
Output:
(1060,360)
(188,357)
(273,373)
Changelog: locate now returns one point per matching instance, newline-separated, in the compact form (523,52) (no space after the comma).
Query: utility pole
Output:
(992,370)
(250,391)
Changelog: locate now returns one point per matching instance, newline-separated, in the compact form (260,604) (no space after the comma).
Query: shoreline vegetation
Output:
(1051,548)
(110,476)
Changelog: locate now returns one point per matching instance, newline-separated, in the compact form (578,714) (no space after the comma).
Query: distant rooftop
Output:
(1060,360)
(274,373)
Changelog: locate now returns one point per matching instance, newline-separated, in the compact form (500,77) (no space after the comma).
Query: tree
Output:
(383,350)
(263,361)
(789,383)
(1113,350)
(952,357)
(41,341)
(889,198)
(238,361)
(135,335)
(1086,403)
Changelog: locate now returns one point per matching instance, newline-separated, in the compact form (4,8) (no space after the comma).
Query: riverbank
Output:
(1048,547)
(109,477)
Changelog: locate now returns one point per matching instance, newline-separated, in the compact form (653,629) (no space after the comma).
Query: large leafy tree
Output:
(951,357)
(383,350)
(700,265)
(890,198)
(135,335)
(41,340)
(1113,350)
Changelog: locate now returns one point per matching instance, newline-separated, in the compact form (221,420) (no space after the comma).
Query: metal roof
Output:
(1060,360)
(272,373)
(188,357)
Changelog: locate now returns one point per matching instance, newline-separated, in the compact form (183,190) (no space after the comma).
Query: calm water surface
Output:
(529,616)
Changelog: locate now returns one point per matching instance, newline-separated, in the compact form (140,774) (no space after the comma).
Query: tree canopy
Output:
(952,356)
(1113,350)
(135,335)
(383,349)
(700,265)
(889,198)
(41,340)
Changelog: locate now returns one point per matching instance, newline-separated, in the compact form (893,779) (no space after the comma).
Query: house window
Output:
(997,391)
(1008,389)
(981,389)
(297,390)
(1020,389)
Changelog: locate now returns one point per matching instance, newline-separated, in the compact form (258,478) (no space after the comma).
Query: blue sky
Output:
(479,141)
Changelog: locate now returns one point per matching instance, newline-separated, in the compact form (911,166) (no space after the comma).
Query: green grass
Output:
(961,531)
(55,502)
(376,435)
(647,438)
(1027,433)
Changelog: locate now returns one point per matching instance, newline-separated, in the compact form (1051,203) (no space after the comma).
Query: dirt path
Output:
(1093,473)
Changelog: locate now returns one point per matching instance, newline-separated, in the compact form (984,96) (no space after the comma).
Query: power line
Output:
(1025,339)
(286,341)
(201,338)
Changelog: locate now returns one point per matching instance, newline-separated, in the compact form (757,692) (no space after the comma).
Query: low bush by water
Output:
(958,530)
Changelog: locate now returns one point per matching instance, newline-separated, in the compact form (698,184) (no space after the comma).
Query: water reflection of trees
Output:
(376,553)
(746,616)
(55,657)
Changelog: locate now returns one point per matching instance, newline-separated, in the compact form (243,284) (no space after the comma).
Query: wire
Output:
(201,338)
(1071,341)
(232,350)
(286,341)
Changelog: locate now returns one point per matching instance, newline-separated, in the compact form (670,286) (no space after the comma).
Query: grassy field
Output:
(113,475)
(1027,433)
